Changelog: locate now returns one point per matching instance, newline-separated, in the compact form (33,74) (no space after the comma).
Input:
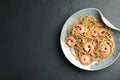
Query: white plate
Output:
(66,50)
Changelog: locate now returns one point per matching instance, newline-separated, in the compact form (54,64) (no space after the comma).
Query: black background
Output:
(29,39)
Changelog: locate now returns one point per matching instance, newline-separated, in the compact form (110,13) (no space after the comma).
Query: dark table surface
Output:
(29,39)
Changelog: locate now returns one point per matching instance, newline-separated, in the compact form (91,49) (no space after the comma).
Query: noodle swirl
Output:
(91,39)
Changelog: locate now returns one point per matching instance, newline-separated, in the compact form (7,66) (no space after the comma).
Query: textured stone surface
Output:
(29,39)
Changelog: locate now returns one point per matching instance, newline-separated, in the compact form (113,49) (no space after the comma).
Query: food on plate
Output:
(91,40)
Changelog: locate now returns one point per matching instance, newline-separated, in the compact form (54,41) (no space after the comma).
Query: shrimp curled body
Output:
(71,41)
(88,47)
(96,32)
(84,59)
(80,28)
(105,51)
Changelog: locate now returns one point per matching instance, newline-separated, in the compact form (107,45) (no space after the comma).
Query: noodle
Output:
(91,39)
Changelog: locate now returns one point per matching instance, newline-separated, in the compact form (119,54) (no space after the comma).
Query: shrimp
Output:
(88,47)
(96,32)
(84,59)
(105,51)
(71,41)
(80,28)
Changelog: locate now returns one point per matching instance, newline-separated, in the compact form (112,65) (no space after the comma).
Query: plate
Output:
(66,50)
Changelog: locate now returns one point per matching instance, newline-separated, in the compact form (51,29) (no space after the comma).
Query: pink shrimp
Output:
(71,41)
(105,51)
(88,47)
(96,32)
(84,59)
(80,27)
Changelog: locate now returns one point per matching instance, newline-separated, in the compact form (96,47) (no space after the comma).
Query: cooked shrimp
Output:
(96,32)
(71,41)
(79,27)
(88,47)
(105,51)
(84,59)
